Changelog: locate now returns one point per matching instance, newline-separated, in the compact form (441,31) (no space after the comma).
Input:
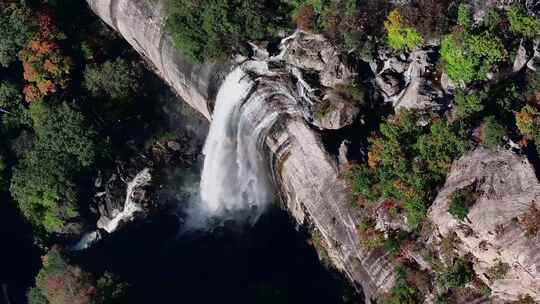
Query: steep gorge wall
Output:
(141,23)
(307,176)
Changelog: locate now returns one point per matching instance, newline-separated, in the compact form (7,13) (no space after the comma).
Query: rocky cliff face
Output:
(494,231)
(141,23)
(306,175)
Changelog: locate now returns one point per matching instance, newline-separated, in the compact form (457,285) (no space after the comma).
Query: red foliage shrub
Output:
(306,17)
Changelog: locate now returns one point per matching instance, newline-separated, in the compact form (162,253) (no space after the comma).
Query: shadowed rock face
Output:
(141,23)
(306,175)
(507,187)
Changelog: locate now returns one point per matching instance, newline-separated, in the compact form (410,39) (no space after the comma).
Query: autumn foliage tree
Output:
(46,69)
(61,282)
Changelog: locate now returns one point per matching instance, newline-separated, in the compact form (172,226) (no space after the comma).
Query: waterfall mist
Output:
(234,181)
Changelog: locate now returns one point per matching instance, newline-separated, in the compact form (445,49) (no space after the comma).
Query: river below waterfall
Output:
(270,262)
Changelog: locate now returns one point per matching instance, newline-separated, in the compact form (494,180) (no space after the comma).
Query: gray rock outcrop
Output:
(307,176)
(334,112)
(492,233)
(405,84)
(314,52)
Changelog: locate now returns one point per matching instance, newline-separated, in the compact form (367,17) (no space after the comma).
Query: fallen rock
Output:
(334,112)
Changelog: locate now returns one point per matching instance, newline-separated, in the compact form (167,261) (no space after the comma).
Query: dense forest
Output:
(75,100)
(71,105)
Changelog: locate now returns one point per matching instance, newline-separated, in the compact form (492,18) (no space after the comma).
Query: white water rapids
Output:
(234,176)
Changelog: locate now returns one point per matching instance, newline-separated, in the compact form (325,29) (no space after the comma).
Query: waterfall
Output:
(130,205)
(235,176)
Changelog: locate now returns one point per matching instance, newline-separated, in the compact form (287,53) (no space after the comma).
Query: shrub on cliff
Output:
(212,30)
(461,201)
(523,25)
(399,36)
(404,291)
(493,133)
(458,274)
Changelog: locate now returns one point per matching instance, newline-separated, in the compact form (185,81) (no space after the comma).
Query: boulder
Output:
(390,83)
(507,187)
(334,112)
(410,89)
(313,52)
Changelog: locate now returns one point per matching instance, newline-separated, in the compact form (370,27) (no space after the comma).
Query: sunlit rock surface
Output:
(491,232)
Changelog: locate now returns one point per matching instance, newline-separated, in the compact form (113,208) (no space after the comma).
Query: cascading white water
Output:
(234,176)
(130,207)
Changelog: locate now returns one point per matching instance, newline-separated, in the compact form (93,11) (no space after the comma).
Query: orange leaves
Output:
(43,47)
(31,93)
(30,74)
(51,67)
(45,68)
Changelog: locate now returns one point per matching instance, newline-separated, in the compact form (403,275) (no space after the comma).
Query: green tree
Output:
(492,19)
(439,148)
(213,29)
(13,113)
(15,29)
(116,79)
(405,163)
(44,188)
(3,178)
(528,123)
(465,17)
(363,180)
(493,133)
(61,282)
(467,104)
(469,57)
(63,130)
(523,25)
